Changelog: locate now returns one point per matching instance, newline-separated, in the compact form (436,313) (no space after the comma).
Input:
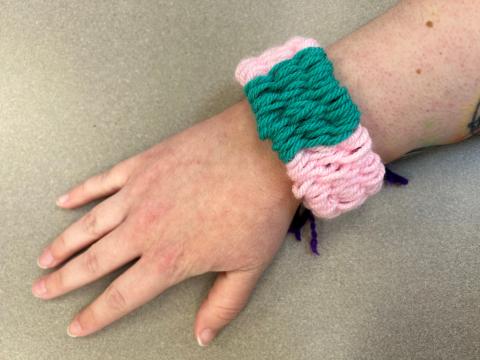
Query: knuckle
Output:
(143,181)
(90,223)
(135,237)
(150,213)
(103,177)
(136,187)
(55,282)
(226,313)
(168,261)
(59,247)
(145,217)
(84,187)
(62,242)
(90,262)
(117,175)
(87,318)
(115,299)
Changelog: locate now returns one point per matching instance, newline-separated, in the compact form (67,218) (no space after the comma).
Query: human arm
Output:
(213,198)
(414,74)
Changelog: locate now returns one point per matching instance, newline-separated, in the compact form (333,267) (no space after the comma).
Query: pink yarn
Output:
(335,179)
(252,67)
(329,179)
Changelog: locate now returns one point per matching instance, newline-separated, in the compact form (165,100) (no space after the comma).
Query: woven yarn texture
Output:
(314,126)
(299,104)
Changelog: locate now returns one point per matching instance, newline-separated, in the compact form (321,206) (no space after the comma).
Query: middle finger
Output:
(103,257)
(92,226)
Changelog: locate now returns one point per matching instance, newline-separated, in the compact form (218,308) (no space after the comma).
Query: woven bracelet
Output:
(314,126)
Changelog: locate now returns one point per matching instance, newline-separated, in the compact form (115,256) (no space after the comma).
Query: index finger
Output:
(97,186)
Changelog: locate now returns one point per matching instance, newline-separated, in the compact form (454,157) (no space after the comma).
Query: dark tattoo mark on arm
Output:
(474,125)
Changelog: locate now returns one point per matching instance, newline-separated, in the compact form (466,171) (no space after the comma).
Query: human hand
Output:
(211,198)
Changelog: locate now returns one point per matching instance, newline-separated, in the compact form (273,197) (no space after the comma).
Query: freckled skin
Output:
(434,73)
(216,198)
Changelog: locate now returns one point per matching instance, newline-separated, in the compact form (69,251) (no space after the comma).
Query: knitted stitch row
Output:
(314,126)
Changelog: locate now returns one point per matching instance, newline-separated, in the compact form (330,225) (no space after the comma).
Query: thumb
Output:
(226,299)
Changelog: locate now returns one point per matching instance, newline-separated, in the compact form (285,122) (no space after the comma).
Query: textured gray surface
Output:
(85,84)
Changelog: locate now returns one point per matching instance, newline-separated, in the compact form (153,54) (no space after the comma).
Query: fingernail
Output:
(39,288)
(74,329)
(46,259)
(62,199)
(205,337)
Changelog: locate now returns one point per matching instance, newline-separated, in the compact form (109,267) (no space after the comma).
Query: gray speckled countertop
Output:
(84,84)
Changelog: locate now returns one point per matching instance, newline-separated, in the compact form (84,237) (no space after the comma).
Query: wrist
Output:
(241,122)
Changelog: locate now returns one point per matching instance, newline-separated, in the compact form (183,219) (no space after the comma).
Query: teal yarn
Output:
(299,104)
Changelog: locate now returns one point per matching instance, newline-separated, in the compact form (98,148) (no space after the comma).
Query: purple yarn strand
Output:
(302,215)
(298,235)
(297,223)
(393,178)
(313,234)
